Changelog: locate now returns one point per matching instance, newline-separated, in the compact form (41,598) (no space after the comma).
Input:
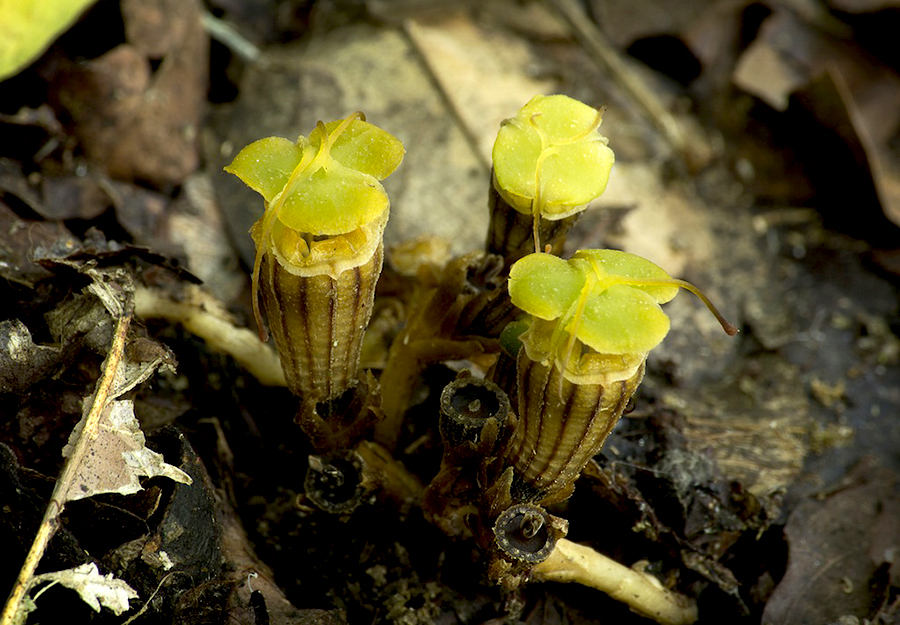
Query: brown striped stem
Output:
(318,322)
(562,425)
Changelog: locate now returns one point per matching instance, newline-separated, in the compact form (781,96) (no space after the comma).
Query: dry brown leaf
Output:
(624,21)
(22,363)
(138,122)
(863,6)
(118,457)
(790,54)
(836,546)
(195,223)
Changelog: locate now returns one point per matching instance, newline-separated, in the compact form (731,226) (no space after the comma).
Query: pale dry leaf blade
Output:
(133,373)
(149,463)
(118,458)
(114,289)
(95,589)
(463,56)
(22,362)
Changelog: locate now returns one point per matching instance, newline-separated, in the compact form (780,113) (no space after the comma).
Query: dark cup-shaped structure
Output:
(470,408)
(334,482)
(523,534)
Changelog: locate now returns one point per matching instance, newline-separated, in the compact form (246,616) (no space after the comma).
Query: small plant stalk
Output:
(474,415)
(511,232)
(643,593)
(594,320)
(319,248)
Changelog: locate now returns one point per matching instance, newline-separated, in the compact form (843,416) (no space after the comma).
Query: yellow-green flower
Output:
(550,159)
(327,184)
(605,300)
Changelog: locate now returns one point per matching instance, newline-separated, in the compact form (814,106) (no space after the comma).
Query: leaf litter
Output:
(106,452)
(94,588)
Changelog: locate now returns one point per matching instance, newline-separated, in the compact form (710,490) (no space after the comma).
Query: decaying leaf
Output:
(22,363)
(106,452)
(95,589)
(24,240)
(461,56)
(131,120)
(842,548)
(625,21)
(119,457)
(790,56)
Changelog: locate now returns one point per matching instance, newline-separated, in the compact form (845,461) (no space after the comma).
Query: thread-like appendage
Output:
(511,233)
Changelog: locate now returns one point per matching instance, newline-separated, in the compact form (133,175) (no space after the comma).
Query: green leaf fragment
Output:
(636,270)
(364,147)
(510,340)
(28,27)
(574,174)
(622,320)
(608,299)
(560,117)
(327,185)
